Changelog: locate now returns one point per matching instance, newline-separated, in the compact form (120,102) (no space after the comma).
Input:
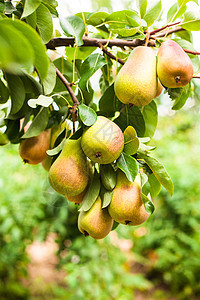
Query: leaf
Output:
(57,149)
(191,21)
(108,177)
(91,194)
(44,23)
(119,19)
(109,103)
(38,124)
(126,32)
(115,225)
(106,197)
(73,26)
(175,12)
(16,52)
(150,115)
(17,92)
(89,67)
(153,13)
(155,186)
(87,115)
(131,141)
(179,95)
(148,204)
(4,93)
(41,100)
(142,6)
(131,116)
(41,60)
(97,18)
(78,52)
(159,171)
(183,2)
(143,178)
(128,165)
(30,6)
(50,80)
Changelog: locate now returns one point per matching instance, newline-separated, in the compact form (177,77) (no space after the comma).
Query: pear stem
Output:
(147,39)
(71,92)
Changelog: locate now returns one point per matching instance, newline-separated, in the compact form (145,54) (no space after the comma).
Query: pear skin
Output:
(136,82)
(33,150)
(126,206)
(69,173)
(103,142)
(95,222)
(159,89)
(174,67)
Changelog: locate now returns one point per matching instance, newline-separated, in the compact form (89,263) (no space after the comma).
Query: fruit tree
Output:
(94,140)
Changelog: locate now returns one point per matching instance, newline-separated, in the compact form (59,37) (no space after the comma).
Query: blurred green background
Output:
(44,256)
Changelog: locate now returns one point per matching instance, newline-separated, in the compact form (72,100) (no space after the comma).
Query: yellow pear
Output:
(103,142)
(126,206)
(174,67)
(136,82)
(69,173)
(33,150)
(95,222)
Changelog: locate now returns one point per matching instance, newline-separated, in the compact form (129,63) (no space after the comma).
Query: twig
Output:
(191,52)
(164,27)
(71,92)
(147,39)
(196,77)
(170,32)
(121,61)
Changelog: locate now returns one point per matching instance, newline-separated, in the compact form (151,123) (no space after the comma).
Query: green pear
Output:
(33,150)
(126,206)
(103,142)
(174,67)
(95,222)
(136,82)
(69,174)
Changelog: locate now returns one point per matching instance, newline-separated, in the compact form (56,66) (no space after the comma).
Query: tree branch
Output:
(191,52)
(164,27)
(121,61)
(71,92)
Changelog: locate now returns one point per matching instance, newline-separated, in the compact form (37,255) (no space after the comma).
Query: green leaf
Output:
(155,186)
(148,204)
(150,115)
(30,6)
(131,141)
(175,12)
(17,92)
(119,19)
(115,225)
(82,52)
(16,52)
(87,115)
(38,124)
(50,80)
(142,6)
(32,20)
(44,23)
(153,13)
(89,67)
(108,177)
(128,165)
(179,95)
(41,60)
(106,197)
(183,2)
(91,194)
(126,32)
(159,171)
(57,149)
(41,100)
(4,93)
(131,116)
(73,26)
(191,21)
(3,139)
(109,103)
(97,18)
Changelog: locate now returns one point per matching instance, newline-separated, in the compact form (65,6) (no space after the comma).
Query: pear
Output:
(69,173)
(174,67)
(33,150)
(95,222)
(126,206)
(103,142)
(136,82)
(159,89)
(79,198)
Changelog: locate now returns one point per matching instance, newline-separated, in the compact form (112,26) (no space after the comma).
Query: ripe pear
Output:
(159,89)
(103,142)
(77,199)
(136,82)
(95,222)
(126,206)
(33,150)
(174,67)
(69,173)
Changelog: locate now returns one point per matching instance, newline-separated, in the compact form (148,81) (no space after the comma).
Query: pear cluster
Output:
(142,77)
(72,172)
